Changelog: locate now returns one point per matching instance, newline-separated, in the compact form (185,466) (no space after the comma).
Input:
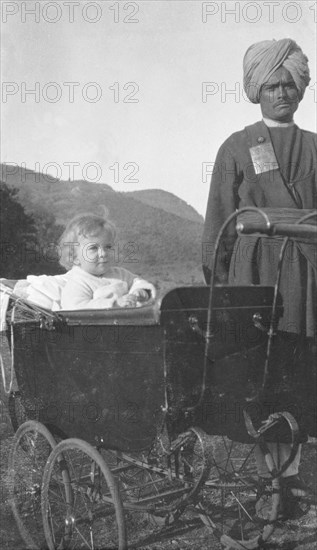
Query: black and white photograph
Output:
(158,275)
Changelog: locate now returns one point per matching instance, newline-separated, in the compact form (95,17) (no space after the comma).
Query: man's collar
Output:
(275,124)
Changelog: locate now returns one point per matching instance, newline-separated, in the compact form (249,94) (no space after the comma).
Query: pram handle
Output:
(303,231)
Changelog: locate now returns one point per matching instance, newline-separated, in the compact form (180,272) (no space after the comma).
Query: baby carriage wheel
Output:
(17,412)
(239,510)
(32,445)
(86,512)
(156,488)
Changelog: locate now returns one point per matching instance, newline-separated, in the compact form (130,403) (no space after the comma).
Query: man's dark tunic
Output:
(252,259)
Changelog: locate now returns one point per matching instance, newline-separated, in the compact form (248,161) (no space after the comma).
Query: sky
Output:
(140,94)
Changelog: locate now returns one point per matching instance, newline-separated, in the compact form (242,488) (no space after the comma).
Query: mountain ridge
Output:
(159,198)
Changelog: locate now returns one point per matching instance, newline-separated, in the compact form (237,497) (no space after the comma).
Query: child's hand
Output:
(141,295)
(128,300)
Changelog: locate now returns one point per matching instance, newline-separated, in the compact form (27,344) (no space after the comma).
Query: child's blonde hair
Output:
(86,225)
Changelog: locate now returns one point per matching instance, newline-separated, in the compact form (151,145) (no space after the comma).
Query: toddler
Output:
(93,282)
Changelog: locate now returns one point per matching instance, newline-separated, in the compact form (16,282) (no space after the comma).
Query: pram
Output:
(147,412)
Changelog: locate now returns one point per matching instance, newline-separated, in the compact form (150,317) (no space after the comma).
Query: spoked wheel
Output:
(32,445)
(141,487)
(156,489)
(85,512)
(18,414)
(240,512)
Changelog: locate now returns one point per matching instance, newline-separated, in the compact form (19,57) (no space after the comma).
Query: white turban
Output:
(264,58)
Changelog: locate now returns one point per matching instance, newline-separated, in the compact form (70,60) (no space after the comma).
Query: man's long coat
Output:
(271,168)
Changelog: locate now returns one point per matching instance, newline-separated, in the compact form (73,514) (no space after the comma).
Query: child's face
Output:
(94,253)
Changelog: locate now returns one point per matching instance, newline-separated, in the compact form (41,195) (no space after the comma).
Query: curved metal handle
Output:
(304,231)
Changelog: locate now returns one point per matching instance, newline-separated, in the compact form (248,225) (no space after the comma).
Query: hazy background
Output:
(167,51)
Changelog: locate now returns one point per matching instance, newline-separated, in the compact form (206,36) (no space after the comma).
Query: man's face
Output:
(279,96)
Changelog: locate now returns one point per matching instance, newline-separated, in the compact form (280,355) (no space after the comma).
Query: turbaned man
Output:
(270,164)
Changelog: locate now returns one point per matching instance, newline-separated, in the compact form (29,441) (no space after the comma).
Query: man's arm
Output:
(223,201)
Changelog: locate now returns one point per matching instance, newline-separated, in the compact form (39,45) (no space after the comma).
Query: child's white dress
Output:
(86,291)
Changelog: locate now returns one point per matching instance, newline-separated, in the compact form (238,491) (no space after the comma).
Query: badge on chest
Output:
(263,158)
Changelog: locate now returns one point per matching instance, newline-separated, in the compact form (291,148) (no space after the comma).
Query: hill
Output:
(168,202)
(161,242)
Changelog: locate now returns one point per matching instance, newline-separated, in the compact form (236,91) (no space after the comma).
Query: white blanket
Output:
(45,290)
(4,301)
(42,290)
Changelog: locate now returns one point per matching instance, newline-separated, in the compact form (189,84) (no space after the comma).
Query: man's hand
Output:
(128,300)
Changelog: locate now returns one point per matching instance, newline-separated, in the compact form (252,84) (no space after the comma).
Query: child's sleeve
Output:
(135,282)
(142,284)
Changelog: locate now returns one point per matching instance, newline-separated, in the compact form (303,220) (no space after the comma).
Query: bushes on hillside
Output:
(24,240)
